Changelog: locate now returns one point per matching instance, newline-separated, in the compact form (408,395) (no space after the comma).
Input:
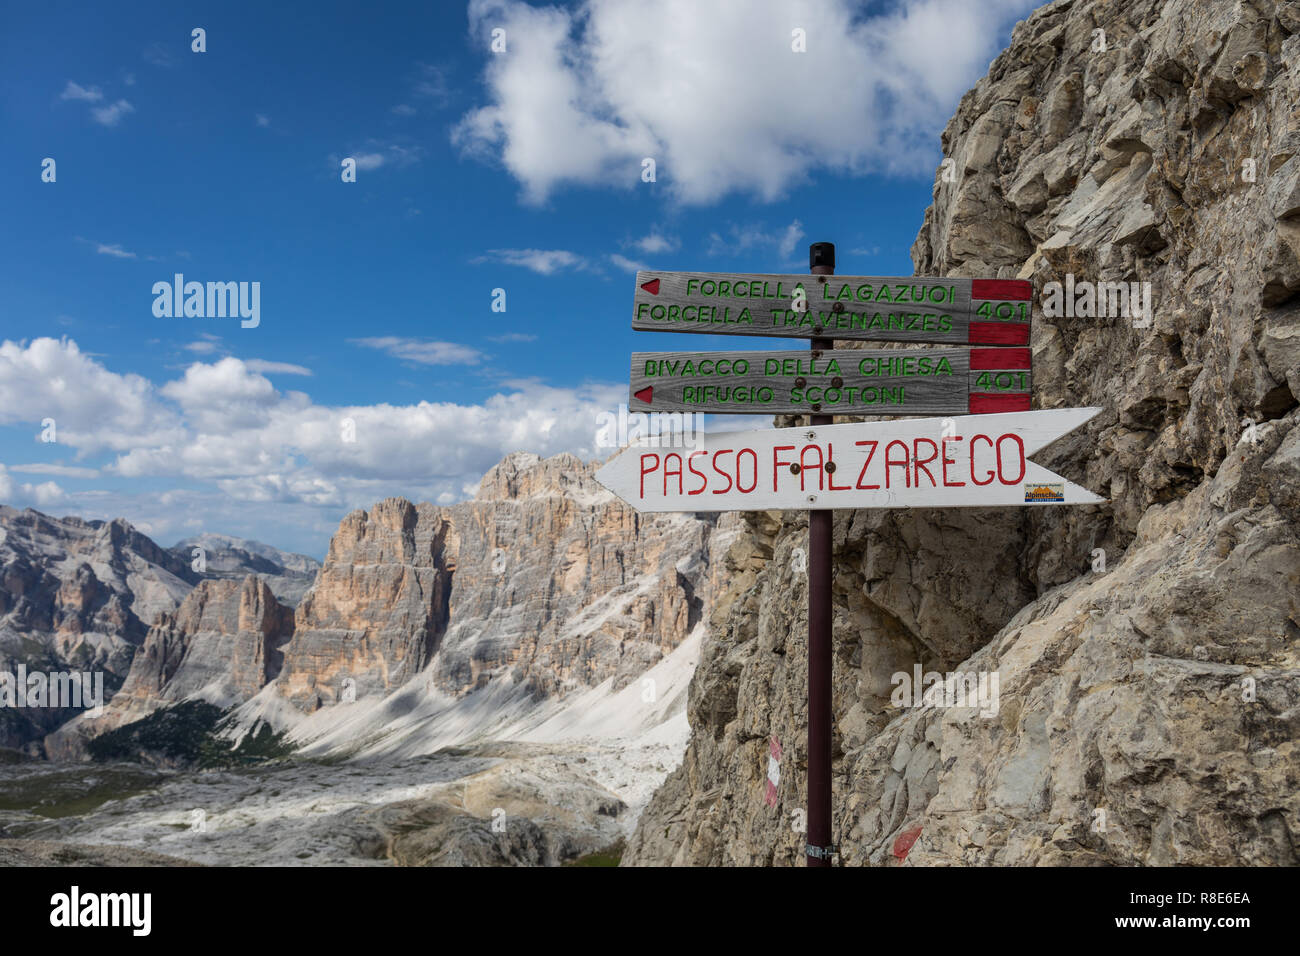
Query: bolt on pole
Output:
(821,262)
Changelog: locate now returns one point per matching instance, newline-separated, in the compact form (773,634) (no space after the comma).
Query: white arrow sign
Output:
(968,461)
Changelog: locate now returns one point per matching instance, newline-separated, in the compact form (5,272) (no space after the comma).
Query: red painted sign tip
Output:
(652,286)
(647,393)
(1003,289)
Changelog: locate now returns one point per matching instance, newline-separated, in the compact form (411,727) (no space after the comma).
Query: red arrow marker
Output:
(648,392)
(652,286)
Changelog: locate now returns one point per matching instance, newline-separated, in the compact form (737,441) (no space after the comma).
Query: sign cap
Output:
(821,254)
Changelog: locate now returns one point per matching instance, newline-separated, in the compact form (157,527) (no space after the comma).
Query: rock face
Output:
(289,575)
(224,643)
(1145,649)
(544,579)
(378,608)
(76,595)
(83,596)
(561,585)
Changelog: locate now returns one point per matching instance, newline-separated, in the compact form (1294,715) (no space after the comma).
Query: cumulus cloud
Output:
(655,244)
(93,409)
(225,423)
(25,494)
(715,94)
(44,494)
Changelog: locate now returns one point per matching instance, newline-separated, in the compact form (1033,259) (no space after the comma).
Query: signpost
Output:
(971,461)
(875,308)
(979,457)
(842,382)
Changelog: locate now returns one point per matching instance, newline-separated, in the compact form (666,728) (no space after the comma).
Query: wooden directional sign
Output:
(884,309)
(843,382)
(970,461)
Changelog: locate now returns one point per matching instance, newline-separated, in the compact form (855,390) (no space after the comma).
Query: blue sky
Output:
(519,170)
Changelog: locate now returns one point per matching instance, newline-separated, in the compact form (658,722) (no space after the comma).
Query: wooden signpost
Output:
(979,457)
(874,308)
(841,382)
(971,461)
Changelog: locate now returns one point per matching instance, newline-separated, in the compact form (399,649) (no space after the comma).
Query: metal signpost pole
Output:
(821,261)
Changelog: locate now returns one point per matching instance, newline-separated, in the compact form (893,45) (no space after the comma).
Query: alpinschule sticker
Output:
(1036,493)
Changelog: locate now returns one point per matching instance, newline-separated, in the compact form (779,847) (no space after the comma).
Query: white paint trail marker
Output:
(773,772)
(967,461)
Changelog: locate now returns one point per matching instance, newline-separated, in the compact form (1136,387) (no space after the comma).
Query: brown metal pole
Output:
(821,262)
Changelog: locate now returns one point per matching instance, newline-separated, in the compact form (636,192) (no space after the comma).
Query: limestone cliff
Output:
(1146,649)
(76,595)
(543,577)
(223,643)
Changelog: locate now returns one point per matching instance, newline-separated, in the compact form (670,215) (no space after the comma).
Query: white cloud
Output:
(62,471)
(714,93)
(379,154)
(75,91)
(655,244)
(276,368)
(247,458)
(202,347)
(626,264)
(112,115)
(789,239)
(25,495)
(543,261)
(44,494)
(93,409)
(113,249)
(739,239)
(262,119)
(423,351)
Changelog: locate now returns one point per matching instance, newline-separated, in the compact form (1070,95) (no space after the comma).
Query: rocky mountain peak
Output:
(525,475)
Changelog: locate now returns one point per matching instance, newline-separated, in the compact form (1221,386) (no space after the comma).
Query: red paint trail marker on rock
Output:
(773,772)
